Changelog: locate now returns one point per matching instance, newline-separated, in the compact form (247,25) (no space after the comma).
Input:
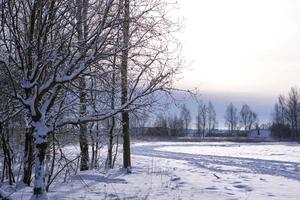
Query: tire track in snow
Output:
(225,164)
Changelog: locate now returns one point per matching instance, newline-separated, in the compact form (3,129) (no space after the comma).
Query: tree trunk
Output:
(7,164)
(116,151)
(28,157)
(97,145)
(93,149)
(51,170)
(84,148)
(39,191)
(81,16)
(109,162)
(11,176)
(124,88)
(4,160)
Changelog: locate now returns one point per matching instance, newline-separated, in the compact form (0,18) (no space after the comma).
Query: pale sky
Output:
(244,48)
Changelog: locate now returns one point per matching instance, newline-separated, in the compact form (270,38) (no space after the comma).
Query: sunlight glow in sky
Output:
(241,46)
(240,51)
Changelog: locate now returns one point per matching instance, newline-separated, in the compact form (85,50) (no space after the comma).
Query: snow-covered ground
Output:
(177,170)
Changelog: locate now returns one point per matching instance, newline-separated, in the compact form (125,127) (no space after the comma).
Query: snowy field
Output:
(177,170)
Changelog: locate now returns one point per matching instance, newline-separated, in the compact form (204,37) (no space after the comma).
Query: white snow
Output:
(210,171)
(267,151)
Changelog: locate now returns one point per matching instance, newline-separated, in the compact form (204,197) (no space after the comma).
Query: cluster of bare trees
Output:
(286,116)
(206,120)
(174,125)
(238,121)
(74,65)
(245,119)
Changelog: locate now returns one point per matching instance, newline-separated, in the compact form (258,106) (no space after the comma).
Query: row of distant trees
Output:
(179,125)
(206,119)
(285,123)
(286,115)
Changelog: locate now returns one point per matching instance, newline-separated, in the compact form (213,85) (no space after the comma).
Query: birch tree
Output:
(125,6)
(148,49)
(49,50)
(82,34)
(40,55)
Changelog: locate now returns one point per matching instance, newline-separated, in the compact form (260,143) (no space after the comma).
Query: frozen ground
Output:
(169,170)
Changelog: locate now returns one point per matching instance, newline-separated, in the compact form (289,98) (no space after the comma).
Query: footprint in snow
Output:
(229,193)
(212,188)
(242,186)
(175,178)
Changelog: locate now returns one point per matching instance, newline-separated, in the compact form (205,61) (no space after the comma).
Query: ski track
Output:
(224,164)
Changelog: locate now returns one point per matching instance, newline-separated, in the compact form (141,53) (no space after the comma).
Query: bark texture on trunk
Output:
(8,161)
(112,122)
(124,87)
(82,27)
(84,148)
(28,157)
(40,134)
(109,161)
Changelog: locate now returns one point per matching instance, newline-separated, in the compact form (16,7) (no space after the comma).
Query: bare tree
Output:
(9,109)
(185,115)
(124,85)
(176,125)
(161,121)
(247,118)
(112,120)
(202,118)
(51,50)
(281,125)
(211,117)
(40,54)
(277,115)
(287,113)
(231,118)
(82,34)
(147,64)
(293,109)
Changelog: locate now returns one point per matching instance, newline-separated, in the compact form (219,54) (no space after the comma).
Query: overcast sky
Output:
(241,50)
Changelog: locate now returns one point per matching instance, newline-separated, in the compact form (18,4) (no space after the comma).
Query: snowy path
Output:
(222,164)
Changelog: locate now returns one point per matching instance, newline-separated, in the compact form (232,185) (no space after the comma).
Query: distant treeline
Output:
(239,122)
(285,120)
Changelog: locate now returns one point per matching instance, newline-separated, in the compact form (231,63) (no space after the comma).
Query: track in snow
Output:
(224,164)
